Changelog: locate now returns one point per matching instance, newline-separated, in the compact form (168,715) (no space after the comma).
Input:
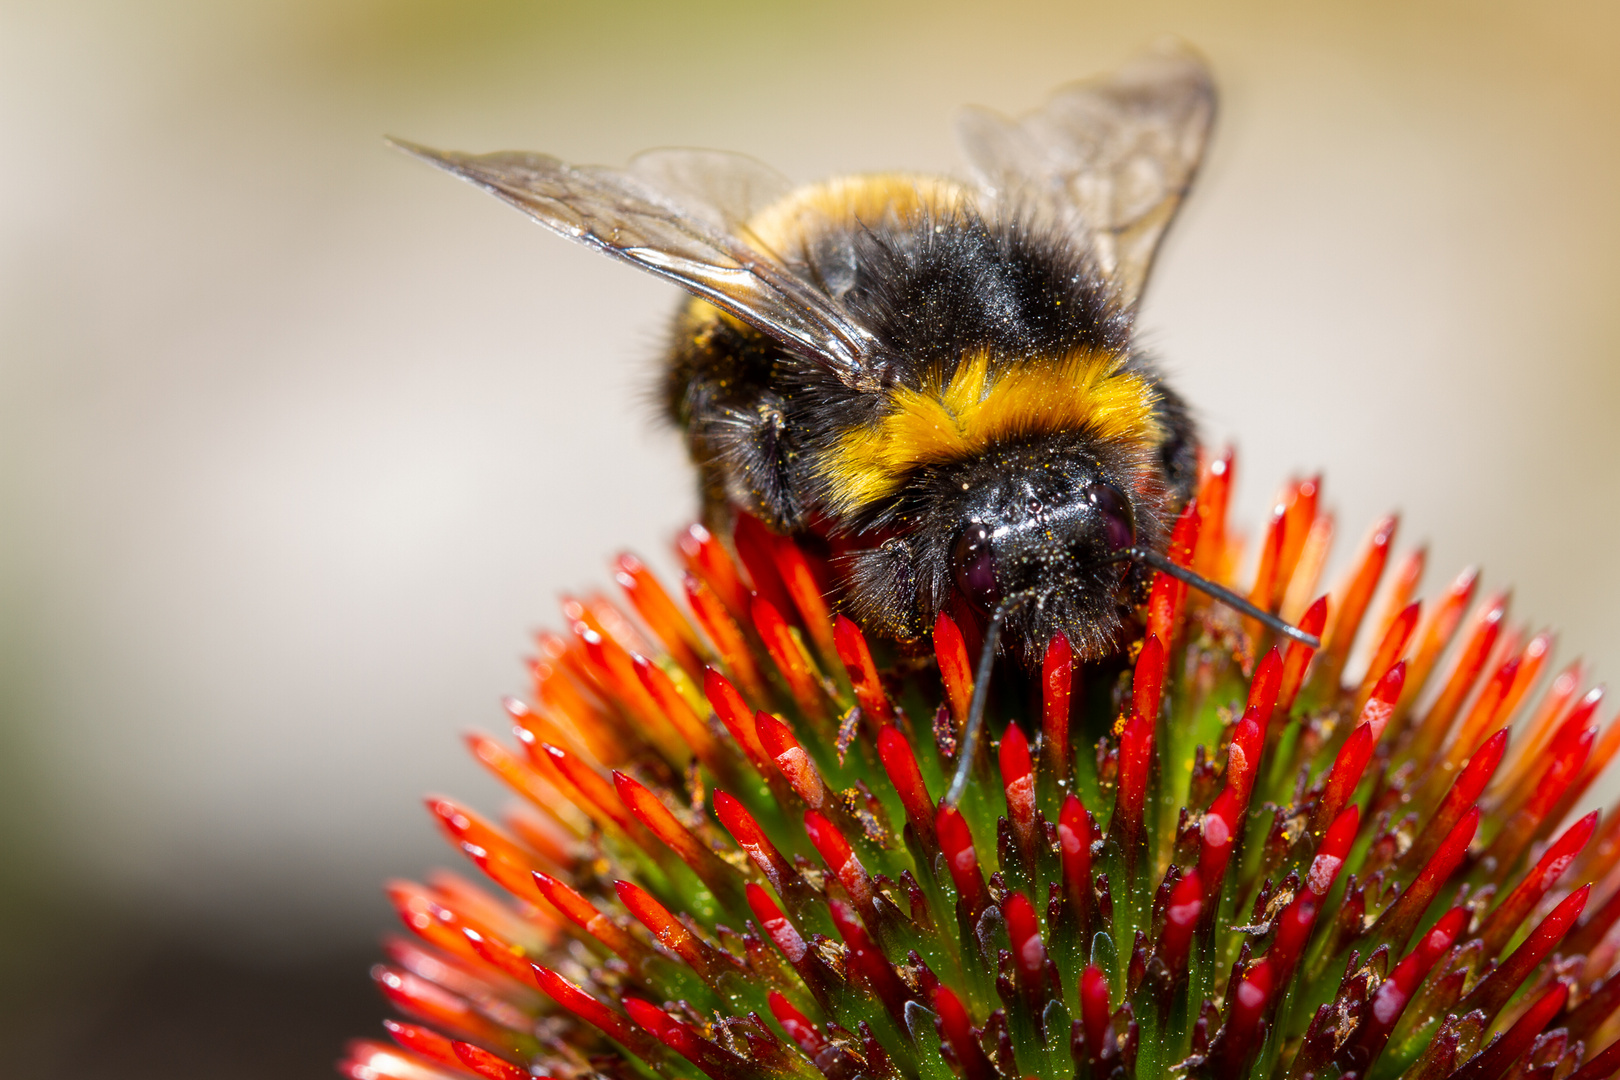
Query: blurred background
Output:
(300,440)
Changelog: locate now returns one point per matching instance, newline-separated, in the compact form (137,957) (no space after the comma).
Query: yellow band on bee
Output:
(846,203)
(954,420)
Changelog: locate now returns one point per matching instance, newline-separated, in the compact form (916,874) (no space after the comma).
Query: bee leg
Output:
(745,450)
(883,593)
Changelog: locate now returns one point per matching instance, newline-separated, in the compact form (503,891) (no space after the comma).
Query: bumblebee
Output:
(936,379)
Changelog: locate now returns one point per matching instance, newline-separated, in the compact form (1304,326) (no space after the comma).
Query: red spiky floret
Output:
(961,861)
(955,669)
(1094,1011)
(1057,693)
(1298,919)
(1074,845)
(1169,594)
(789,657)
(856,657)
(728,859)
(1018,783)
(1300,654)
(956,1033)
(1181,916)
(894,750)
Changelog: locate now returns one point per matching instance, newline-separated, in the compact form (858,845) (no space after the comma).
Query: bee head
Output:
(1046,523)
(1043,519)
(1025,534)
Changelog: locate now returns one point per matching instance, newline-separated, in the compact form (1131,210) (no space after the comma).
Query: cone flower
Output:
(1218,855)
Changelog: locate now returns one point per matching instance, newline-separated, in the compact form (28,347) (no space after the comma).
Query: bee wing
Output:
(678,214)
(721,189)
(1112,155)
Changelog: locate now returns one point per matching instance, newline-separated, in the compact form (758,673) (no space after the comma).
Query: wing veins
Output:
(627,217)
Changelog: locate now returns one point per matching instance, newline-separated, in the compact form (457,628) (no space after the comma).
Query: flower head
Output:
(1214,857)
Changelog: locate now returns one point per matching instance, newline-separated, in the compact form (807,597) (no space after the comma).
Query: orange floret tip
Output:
(720,878)
(370,1060)
(582,913)
(806,591)
(732,709)
(708,562)
(432,1004)
(496,854)
(955,669)
(1263,594)
(658,610)
(1401,591)
(733,649)
(1391,649)
(1357,595)
(1170,594)
(593,794)
(1214,494)
(577,1001)
(1206,857)
(1299,507)
(508,959)
(428,919)
(1441,626)
(664,926)
(1476,652)
(1300,654)
(425,1042)
(788,656)
(856,657)
(679,712)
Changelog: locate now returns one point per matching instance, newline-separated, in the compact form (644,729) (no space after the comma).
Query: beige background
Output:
(299,440)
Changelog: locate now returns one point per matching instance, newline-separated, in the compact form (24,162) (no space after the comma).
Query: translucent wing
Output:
(679,214)
(719,188)
(1112,156)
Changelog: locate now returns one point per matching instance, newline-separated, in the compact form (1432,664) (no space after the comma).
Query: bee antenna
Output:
(1226,596)
(968,749)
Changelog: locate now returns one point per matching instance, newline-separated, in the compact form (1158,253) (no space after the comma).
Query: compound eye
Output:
(1118,525)
(974,567)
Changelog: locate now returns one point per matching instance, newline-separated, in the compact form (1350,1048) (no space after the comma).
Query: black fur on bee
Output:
(933,380)
(933,290)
